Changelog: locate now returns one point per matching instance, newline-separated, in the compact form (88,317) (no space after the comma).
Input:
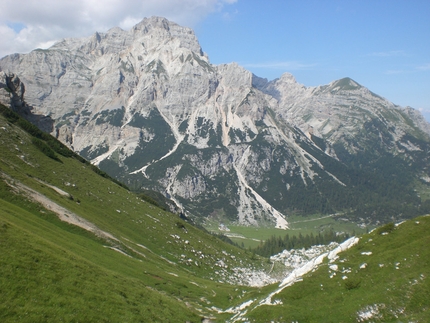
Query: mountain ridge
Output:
(148,107)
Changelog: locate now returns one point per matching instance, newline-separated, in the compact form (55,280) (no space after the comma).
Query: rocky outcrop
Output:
(11,91)
(12,96)
(147,106)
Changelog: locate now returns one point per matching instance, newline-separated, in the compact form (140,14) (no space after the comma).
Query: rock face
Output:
(11,91)
(12,96)
(148,107)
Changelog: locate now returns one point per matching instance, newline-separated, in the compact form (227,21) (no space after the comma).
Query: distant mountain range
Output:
(148,107)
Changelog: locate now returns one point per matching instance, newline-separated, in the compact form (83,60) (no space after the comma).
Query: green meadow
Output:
(115,257)
(140,263)
(384,278)
(251,237)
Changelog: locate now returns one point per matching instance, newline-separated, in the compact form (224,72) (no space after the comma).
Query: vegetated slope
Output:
(148,107)
(127,260)
(384,278)
(50,274)
(112,256)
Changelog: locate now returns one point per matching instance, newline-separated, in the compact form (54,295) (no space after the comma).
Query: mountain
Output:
(148,107)
(76,246)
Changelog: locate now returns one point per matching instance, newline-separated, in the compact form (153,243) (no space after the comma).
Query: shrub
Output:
(44,148)
(352,283)
(387,228)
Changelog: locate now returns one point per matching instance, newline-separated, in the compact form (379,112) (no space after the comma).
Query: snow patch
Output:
(342,247)
(369,312)
(295,258)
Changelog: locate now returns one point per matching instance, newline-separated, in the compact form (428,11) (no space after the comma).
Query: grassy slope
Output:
(395,282)
(51,270)
(47,277)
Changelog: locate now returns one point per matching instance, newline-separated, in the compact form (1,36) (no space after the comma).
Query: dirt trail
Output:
(62,213)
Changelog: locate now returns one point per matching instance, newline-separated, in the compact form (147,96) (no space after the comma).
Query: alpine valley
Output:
(147,107)
(77,247)
(216,144)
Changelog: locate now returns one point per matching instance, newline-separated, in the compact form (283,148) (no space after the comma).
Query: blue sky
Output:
(382,44)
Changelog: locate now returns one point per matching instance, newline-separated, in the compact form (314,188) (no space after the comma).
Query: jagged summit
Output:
(167,30)
(287,78)
(150,32)
(156,22)
(147,106)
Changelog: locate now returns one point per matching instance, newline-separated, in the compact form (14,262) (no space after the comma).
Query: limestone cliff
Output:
(148,107)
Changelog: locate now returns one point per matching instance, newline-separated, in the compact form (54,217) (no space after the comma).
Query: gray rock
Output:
(148,106)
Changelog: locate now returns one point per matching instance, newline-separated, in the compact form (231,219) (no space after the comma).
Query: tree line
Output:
(277,244)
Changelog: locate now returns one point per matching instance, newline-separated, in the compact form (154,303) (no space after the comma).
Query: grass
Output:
(252,236)
(52,282)
(52,271)
(394,282)
(320,223)
(160,268)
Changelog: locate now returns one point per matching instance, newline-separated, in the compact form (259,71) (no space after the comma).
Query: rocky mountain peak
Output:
(165,30)
(154,22)
(287,78)
(151,34)
(147,106)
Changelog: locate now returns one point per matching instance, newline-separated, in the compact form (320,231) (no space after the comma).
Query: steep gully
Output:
(226,122)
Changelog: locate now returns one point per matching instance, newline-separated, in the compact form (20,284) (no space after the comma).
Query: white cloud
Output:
(42,22)
(228,16)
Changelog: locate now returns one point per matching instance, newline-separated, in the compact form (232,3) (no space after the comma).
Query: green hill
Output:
(76,246)
(384,278)
(126,260)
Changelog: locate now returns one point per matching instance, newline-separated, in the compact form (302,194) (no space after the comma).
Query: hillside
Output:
(76,246)
(112,256)
(383,278)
